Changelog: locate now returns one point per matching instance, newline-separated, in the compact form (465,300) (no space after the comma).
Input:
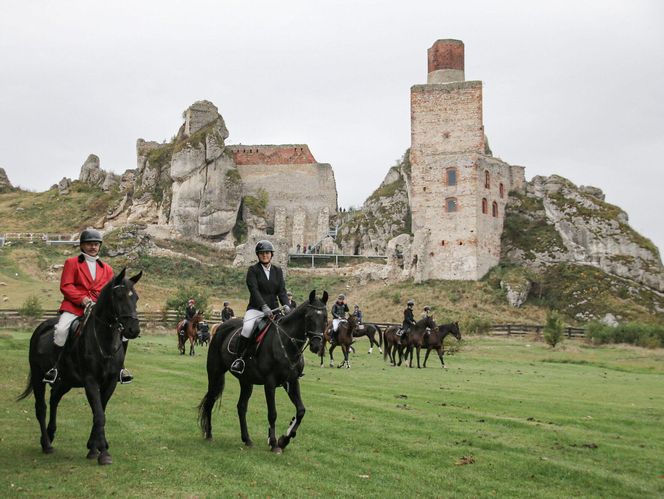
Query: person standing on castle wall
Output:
(339,311)
(408,319)
(291,302)
(297,248)
(227,312)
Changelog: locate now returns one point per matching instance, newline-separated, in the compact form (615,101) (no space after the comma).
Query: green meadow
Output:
(509,418)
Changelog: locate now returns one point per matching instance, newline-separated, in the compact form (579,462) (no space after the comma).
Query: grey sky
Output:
(573,88)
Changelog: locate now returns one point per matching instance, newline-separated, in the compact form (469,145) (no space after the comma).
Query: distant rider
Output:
(408,319)
(266,284)
(83,278)
(291,302)
(189,313)
(227,312)
(357,313)
(339,313)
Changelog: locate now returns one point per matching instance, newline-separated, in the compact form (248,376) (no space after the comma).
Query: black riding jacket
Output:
(339,310)
(226,314)
(189,313)
(408,317)
(263,291)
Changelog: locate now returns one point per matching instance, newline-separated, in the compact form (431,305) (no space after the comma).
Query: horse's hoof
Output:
(249,443)
(48,450)
(277,450)
(92,454)
(444,367)
(105,458)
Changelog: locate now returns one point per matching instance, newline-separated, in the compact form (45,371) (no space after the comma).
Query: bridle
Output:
(115,325)
(296,342)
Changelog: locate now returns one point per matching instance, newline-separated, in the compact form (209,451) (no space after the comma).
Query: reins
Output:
(115,325)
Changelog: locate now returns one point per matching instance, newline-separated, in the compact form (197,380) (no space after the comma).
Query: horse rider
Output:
(189,313)
(83,278)
(426,312)
(357,313)
(339,311)
(266,284)
(408,319)
(227,312)
(291,302)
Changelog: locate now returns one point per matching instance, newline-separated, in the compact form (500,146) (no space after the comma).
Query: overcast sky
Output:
(573,88)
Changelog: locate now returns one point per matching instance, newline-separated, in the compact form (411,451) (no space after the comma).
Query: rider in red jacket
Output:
(83,278)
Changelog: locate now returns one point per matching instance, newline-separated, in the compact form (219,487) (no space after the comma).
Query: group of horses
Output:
(93,357)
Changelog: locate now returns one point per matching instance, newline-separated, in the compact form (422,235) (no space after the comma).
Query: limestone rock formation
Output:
(384,215)
(63,186)
(556,221)
(92,174)
(5,184)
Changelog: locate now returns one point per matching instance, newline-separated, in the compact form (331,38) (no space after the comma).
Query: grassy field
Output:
(509,418)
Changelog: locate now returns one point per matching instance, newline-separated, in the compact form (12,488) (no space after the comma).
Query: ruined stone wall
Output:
(305,192)
(291,154)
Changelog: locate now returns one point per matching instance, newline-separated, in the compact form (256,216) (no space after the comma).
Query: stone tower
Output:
(458,190)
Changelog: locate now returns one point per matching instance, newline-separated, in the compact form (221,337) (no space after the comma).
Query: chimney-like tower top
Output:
(446,61)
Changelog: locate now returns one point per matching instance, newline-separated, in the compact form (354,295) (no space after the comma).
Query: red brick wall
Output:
(446,54)
(297,154)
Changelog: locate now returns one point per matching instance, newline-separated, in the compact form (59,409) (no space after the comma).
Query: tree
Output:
(553,330)
(179,301)
(31,308)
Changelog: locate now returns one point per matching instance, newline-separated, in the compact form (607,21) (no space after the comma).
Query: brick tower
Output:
(458,190)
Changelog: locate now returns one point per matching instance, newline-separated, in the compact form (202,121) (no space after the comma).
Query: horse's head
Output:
(456,332)
(124,298)
(315,320)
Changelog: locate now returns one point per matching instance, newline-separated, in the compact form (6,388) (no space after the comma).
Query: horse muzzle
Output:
(130,329)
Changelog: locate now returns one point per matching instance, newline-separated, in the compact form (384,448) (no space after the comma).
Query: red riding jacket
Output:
(77,283)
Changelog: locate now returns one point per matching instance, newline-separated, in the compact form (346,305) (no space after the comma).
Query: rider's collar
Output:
(84,256)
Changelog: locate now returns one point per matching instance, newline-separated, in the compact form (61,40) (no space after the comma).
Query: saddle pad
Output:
(261,335)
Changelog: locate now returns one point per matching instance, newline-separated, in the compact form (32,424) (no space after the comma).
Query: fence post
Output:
(509,329)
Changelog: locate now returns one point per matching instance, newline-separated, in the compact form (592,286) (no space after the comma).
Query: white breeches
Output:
(335,323)
(250,317)
(62,328)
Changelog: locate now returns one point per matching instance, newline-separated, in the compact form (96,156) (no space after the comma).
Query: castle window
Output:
(451,175)
(451,205)
(501,188)
(442,243)
(487,179)
(485,206)
(424,189)
(494,209)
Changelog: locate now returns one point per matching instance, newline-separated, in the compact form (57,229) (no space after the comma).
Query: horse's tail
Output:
(380,336)
(216,381)
(28,389)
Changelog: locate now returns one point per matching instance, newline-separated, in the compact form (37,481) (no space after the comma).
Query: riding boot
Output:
(52,374)
(125,375)
(238,364)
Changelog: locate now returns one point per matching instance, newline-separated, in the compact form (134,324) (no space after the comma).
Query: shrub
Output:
(633,333)
(31,308)
(476,325)
(396,298)
(553,330)
(179,301)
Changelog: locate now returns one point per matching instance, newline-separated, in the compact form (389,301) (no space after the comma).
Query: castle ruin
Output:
(458,190)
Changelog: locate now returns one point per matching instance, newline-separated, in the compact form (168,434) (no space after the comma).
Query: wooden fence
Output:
(10,317)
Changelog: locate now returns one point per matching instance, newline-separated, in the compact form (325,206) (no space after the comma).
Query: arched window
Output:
(487,179)
(501,188)
(494,209)
(451,205)
(485,206)
(451,176)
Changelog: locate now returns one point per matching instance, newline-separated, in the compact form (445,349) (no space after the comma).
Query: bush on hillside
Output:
(633,333)
(553,329)
(476,325)
(31,308)
(179,301)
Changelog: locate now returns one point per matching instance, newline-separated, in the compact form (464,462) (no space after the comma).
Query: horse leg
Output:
(191,346)
(371,342)
(97,440)
(426,356)
(271,417)
(322,353)
(106,392)
(39,390)
(332,347)
(57,392)
(246,388)
(441,353)
(293,390)
(409,351)
(418,356)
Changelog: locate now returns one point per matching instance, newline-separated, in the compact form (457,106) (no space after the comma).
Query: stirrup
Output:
(125,376)
(237,366)
(50,376)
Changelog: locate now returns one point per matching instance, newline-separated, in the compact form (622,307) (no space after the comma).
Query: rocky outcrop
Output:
(556,221)
(92,174)
(384,215)
(63,186)
(5,184)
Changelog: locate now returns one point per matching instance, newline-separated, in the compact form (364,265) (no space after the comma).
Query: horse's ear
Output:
(120,277)
(137,277)
(325,296)
(312,297)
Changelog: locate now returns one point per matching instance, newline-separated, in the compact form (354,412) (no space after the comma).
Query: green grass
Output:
(576,421)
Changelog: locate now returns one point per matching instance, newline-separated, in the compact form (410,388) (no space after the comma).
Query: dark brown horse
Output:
(91,360)
(344,339)
(415,339)
(188,332)
(370,331)
(276,362)
(393,343)
(434,340)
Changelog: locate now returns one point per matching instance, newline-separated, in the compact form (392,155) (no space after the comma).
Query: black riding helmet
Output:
(90,236)
(264,245)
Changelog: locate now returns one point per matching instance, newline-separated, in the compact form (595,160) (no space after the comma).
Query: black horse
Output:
(277,361)
(370,331)
(434,340)
(91,360)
